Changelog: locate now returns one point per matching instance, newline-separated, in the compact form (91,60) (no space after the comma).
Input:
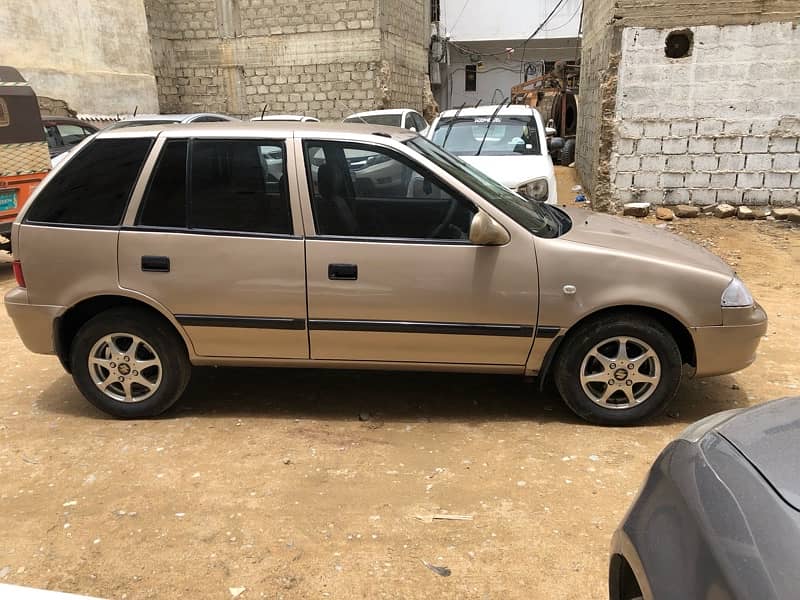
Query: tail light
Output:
(18,273)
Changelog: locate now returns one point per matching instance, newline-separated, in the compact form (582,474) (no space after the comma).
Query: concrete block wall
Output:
(325,59)
(720,125)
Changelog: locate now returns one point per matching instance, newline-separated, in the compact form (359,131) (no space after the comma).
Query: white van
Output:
(508,144)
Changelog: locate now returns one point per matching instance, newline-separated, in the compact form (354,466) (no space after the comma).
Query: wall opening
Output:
(471,78)
(679,44)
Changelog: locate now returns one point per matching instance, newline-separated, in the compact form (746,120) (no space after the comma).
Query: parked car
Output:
(142,120)
(64,133)
(345,247)
(287,118)
(24,158)
(508,143)
(719,513)
(395,117)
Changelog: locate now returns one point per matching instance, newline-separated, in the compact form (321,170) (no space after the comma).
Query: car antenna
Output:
(263,110)
(489,125)
(478,103)
(450,126)
(135,110)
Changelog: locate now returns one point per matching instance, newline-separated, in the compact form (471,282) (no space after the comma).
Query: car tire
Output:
(618,370)
(129,363)
(566,155)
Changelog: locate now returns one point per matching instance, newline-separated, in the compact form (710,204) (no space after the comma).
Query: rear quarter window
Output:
(94,187)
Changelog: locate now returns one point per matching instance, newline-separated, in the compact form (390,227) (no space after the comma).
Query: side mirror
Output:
(485,231)
(555,144)
(550,131)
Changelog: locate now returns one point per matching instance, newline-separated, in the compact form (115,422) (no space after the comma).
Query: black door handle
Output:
(155,264)
(348,272)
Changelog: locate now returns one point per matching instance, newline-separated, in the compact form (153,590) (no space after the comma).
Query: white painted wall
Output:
(94,54)
(466,20)
(720,125)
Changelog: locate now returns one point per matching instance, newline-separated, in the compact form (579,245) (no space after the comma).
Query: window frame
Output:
(395,154)
(471,83)
(186,230)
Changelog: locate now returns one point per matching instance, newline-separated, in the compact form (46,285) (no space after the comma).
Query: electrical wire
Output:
(458,18)
(531,36)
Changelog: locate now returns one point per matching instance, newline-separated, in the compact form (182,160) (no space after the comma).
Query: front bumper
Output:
(34,322)
(731,346)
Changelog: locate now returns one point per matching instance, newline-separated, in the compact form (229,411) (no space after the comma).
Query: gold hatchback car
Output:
(353,246)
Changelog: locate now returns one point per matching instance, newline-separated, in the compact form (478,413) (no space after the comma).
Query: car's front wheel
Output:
(618,370)
(129,363)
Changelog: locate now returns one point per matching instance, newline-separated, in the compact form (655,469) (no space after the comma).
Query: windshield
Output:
(391,120)
(505,136)
(540,219)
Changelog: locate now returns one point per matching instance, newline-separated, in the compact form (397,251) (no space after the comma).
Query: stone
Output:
(684,211)
(664,214)
(723,211)
(708,209)
(781,214)
(636,209)
(745,214)
(794,216)
(761,212)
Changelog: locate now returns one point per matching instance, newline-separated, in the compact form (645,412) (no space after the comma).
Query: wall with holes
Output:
(717,122)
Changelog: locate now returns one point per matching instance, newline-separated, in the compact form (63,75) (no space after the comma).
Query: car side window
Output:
(71,134)
(94,187)
(234,185)
(420,123)
(359,190)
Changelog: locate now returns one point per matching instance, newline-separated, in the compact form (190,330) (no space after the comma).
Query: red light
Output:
(17,265)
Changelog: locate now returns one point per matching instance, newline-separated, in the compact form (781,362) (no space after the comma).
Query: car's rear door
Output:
(215,240)
(392,276)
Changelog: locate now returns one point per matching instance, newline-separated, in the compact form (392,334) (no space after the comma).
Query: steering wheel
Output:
(451,211)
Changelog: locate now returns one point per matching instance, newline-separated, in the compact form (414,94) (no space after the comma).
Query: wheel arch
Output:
(72,319)
(680,332)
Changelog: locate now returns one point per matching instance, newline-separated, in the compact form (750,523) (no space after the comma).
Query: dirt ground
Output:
(268,479)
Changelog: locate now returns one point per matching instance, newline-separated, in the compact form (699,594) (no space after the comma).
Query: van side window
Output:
(165,199)
(94,187)
(239,185)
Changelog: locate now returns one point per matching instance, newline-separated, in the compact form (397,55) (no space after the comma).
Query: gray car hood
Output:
(768,436)
(630,237)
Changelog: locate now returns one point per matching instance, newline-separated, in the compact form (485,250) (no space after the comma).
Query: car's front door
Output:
(392,276)
(218,247)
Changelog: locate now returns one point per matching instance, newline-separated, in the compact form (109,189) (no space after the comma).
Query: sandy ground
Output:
(268,480)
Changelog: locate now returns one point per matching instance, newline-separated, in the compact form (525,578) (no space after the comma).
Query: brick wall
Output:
(325,59)
(599,46)
(720,125)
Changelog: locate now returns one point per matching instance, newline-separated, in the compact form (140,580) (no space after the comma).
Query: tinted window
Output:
(93,189)
(419,122)
(393,120)
(165,200)
(367,191)
(239,185)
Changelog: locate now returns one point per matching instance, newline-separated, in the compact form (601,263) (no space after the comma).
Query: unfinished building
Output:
(693,102)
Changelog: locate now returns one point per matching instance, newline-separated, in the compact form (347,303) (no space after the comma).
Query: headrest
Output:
(330,181)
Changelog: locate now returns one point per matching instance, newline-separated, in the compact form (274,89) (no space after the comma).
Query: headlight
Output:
(535,190)
(736,294)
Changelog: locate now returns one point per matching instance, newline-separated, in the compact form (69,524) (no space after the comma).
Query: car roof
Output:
(488,110)
(262,128)
(283,118)
(65,120)
(388,111)
(767,435)
(178,117)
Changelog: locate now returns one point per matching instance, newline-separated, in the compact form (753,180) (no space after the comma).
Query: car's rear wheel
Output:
(129,363)
(618,370)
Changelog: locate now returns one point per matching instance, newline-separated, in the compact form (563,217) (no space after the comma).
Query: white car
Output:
(288,118)
(508,144)
(406,118)
(142,120)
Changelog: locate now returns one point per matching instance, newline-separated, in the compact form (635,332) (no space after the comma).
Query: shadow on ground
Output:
(390,396)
